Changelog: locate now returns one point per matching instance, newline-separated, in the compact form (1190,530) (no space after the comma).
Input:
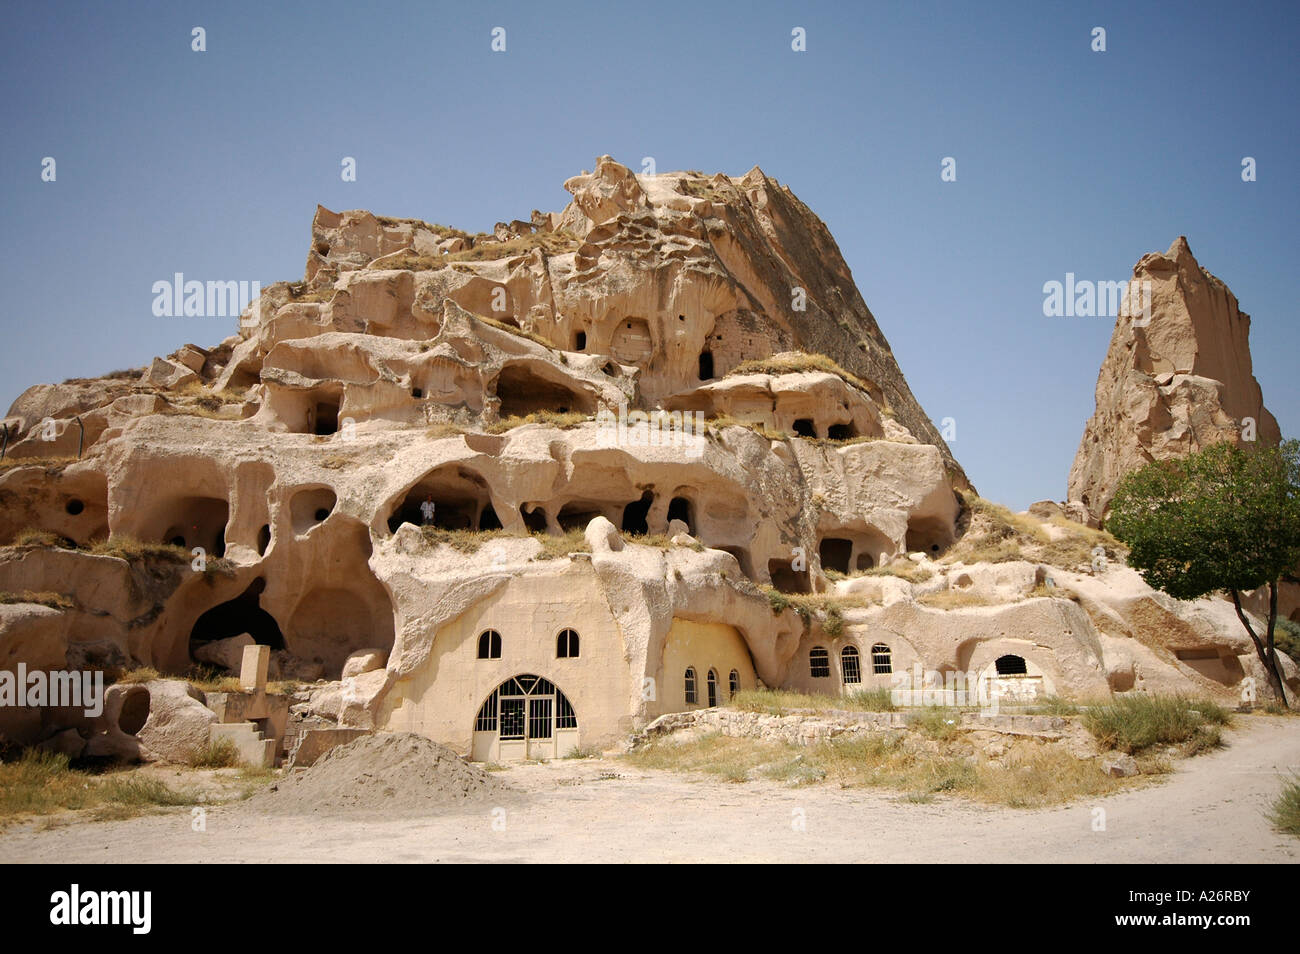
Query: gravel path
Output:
(1210,810)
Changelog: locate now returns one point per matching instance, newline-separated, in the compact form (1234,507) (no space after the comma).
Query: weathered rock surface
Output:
(1171,385)
(656,419)
(178,723)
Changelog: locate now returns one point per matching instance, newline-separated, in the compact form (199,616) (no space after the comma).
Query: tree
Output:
(1222,518)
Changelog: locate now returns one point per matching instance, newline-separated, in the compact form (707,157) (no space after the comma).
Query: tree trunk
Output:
(1266,654)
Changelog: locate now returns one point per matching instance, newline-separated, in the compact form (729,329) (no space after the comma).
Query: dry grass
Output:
(721,421)
(1285,811)
(904,569)
(218,753)
(1052,592)
(442,231)
(783,702)
(42,783)
(993,534)
(471,541)
(215,682)
(827,607)
(441,429)
(31,537)
(53,465)
(44,598)
(556,547)
(795,362)
(129,548)
(1134,723)
(483,250)
(953,599)
(139,674)
(204,395)
(560,419)
(515,330)
(1033,775)
(551,243)
(466,541)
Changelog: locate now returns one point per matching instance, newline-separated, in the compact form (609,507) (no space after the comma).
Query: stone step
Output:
(253,748)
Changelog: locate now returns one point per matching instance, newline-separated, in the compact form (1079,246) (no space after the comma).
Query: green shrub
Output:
(1286,637)
(1137,722)
(218,753)
(936,722)
(1285,812)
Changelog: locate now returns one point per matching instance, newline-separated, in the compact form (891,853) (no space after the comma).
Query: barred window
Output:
(565,717)
(733,683)
(690,685)
(881,664)
(1011,666)
(489,644)
(819,662)
(851,665)
(487,714)
(566,644)
(711,682)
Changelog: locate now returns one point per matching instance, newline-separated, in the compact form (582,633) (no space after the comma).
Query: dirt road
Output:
(1210,810)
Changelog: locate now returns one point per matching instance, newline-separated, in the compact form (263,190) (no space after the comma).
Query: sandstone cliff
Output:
(1176,379)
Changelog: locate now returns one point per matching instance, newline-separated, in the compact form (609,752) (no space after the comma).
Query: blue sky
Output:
(1068,160)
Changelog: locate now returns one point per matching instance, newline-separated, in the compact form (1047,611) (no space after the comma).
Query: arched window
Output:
(489,644)
(566,644)
(1011,666)
(711,683)
(851,665)
(819,662)
(881,662)
(690,685)
(733,683)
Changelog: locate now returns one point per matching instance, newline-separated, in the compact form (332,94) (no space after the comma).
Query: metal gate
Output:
(526,717)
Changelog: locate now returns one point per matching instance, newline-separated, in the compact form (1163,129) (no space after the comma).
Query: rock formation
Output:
(1177,378)
(600,465)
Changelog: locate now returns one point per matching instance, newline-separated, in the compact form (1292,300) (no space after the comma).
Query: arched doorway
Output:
(526,717)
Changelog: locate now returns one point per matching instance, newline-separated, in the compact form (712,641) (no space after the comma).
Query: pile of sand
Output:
(392,772)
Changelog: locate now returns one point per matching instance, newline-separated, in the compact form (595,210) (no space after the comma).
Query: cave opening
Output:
(326,418)
(534,519)
(458,497)
(742,557)
(679,508)
(521,392)
(243,614)
(835,553)
(199,522)
(706,365)
(786,578)
(576,514)
(635,514)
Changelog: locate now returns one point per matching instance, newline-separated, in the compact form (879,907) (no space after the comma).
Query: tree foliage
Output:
(1223,518)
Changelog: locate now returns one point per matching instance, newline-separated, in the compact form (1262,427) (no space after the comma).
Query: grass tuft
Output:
(1285,811)
(44,598)
(218,753)
(42,783)
(1137,722)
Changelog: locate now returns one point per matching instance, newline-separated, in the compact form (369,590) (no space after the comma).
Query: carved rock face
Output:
(1174,381)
